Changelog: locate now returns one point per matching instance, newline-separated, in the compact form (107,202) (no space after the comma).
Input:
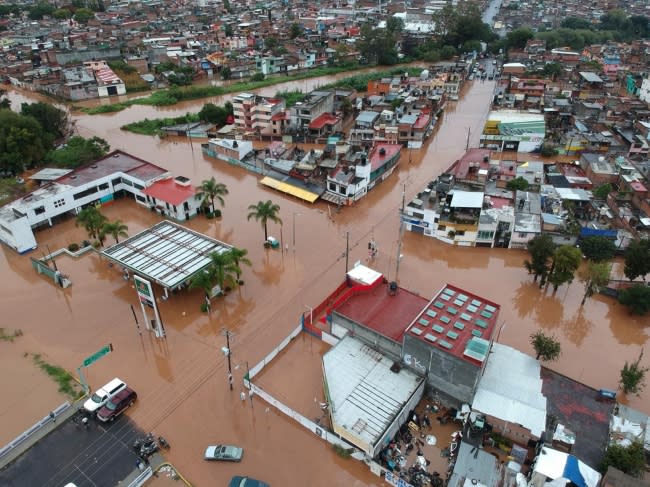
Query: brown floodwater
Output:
(181,382)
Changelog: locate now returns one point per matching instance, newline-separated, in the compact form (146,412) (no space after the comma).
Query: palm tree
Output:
(224,269)
(116,229)
(239,257)
(205,282)
(264,211)
(92,220)
(210,190)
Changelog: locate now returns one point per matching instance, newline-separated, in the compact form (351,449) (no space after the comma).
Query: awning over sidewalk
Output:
(303,194)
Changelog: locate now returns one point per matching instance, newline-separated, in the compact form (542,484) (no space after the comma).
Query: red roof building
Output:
(173,197)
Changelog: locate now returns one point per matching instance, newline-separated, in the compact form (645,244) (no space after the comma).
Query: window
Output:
(138,186)
(442,228)
(116,181)
(418,215)
(522,235)
(103,186)
(485,235)
(332,186)
(186,206)
(166,205)
(59,203)
(85,193)
(40,210)
(139,198)
(460,233)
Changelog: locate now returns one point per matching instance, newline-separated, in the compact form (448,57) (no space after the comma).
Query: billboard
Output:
(147,298)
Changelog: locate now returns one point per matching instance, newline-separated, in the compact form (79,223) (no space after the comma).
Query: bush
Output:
(258,77)
(73,247)
(342,451)
(217,213)
(85,243)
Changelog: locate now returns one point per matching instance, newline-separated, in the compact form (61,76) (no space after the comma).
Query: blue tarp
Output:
(593,232)
(572,472)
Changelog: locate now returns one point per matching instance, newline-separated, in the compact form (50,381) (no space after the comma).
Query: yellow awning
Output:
(303,194)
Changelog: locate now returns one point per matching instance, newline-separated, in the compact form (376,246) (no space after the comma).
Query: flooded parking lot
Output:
(182,381)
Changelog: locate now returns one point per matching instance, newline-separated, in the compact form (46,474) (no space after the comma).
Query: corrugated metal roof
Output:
(365,396)
(511,389)
(167,253)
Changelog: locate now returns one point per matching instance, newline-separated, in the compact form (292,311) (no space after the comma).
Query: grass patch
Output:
(67,384)
(173,95)
(153,127)
(360,81)
(291,97)
(10,190)
(5,337)
(342,451)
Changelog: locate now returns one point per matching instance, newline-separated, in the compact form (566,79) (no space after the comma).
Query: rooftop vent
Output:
(182,181)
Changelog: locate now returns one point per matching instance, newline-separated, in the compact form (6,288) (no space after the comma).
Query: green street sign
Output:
(98,354)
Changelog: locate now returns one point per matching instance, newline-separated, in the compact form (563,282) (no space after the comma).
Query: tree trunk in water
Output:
(538,355)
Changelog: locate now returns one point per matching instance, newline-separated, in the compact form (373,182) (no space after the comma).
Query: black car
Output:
(117,405)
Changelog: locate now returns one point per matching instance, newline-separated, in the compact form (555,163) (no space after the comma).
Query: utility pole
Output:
(401,232)
(469,131)
(347,251)
(227,352)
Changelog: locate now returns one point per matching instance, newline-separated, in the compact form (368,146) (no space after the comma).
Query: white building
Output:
(115,175)
(173,197)
(528,219)
(644,92)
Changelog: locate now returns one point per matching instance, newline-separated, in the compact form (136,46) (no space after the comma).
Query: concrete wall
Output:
(66,57)
(370,337)
(445,372)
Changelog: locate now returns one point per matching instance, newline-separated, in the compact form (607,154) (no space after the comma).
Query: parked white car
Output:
(103,394)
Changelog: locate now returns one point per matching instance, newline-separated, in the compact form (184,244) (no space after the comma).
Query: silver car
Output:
(225,453)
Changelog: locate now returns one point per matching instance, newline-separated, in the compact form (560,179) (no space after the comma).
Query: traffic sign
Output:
(98,354)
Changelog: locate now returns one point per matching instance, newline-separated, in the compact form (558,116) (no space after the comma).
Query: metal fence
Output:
(145,475)
(20,439)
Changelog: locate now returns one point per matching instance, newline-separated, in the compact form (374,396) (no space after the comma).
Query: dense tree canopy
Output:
(378,45)
(216,114)
(636,298)
(22,142)
(53,120)
(628,459)
(637,259)
(79,151)
(597,248)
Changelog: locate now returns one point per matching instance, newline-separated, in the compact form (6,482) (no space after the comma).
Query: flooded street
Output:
(182,383)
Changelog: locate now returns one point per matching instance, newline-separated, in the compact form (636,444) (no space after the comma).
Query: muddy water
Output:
(181,382)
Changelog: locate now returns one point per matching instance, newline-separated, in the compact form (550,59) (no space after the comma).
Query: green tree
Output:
(295,30)
(633,376)
(636,298)
(271,43)
(602,191)
(226,73)
(227,7)
(346,107)
(394,25)
(594,276)
(115,229)
(213,114)
(224,269)
(83,15)
(541,249)
(92,220)
(378,45)
(4,101)
(227,30)
(61,14)
(204,281)
(547,347)
(629,459)
(211,190)
(637,259)
(239,257)
(517,184)
(519,37)
(566,261)
(79,151)
(40,10)
(547,150)
(52,119)
(264,211)
(575,23)
(552,69)
(597,248)
(23,143)
(447,51)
